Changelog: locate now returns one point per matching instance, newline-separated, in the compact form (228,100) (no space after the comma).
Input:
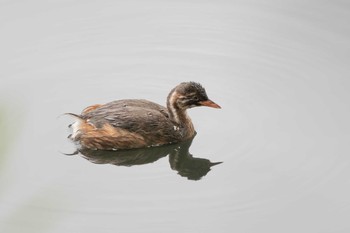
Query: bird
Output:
(139,123)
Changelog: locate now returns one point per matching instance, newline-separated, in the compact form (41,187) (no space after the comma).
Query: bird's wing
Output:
(151,121)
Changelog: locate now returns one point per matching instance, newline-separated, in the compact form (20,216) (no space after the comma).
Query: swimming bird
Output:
(138,123)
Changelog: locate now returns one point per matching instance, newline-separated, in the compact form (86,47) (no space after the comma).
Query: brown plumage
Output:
(134,123)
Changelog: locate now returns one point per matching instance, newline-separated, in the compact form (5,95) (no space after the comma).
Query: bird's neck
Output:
(179,115)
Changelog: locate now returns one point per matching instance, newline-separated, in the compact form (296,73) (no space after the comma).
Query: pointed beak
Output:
(216,163)
(209,103)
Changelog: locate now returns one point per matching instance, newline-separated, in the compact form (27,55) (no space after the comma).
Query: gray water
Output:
(279,69)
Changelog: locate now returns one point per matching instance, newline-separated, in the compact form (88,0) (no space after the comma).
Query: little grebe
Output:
(134,123)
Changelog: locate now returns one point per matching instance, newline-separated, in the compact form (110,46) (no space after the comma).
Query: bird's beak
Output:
(209,103)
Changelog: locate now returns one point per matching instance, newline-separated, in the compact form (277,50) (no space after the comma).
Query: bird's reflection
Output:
(180,159)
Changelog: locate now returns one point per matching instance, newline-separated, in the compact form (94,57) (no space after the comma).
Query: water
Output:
(278,69)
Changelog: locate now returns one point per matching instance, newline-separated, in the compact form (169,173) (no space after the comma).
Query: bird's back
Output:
(125,124)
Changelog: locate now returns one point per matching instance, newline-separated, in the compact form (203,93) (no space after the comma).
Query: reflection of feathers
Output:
(188,166)
(126,157)
(179,158)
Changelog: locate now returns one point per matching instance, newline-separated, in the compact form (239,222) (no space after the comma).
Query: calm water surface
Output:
(280,71)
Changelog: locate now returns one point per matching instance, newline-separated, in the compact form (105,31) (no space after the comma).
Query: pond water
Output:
(279,70)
